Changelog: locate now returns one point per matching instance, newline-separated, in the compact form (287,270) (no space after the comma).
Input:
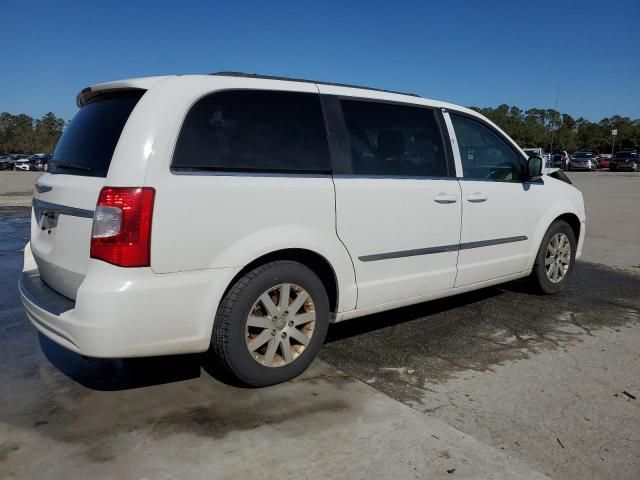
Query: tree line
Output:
(543,127)
(535,127)
(24,134)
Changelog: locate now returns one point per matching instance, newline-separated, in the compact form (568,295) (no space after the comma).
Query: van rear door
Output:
(65,196)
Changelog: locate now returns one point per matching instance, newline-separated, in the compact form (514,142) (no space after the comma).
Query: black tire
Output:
(538,277)
(228,348)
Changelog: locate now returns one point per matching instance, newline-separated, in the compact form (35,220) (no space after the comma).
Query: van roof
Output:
(146,83)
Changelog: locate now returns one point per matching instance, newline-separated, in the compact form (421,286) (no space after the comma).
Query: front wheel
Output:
(271,324)
(555,258)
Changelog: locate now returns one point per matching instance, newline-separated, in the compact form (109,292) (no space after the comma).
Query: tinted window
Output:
(254,130)
(388,139)
(485,155)
(88,143)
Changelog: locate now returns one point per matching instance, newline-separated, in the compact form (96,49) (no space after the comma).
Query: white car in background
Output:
(22,164)
(240,215)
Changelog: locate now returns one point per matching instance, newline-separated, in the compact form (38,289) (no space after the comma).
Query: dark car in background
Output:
(6,162)
(625,160)
(39,161)
(583,160)
(560,159)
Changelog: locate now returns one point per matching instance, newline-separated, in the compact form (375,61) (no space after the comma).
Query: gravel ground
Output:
(16,188)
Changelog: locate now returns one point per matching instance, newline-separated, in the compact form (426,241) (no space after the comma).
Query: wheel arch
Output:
(569,216)
(573,221)
(313,260)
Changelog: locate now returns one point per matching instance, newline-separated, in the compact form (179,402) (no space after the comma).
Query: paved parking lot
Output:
(498,383)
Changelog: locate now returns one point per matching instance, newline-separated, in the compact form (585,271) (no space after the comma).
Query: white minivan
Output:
(239,215)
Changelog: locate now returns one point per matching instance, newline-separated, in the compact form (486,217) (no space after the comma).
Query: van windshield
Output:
(88,142)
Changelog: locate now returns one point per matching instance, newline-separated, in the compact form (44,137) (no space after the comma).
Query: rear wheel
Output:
(271,324)
(555,258)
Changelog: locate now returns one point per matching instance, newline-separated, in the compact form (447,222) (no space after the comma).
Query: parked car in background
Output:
(605,159)
(22,164)
(625,160)
(102,275)
(583,161)
(39,161)
(6,162)
(560,159)
(596,155)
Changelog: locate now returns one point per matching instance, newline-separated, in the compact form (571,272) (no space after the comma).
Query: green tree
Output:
(537,127)
(22,134)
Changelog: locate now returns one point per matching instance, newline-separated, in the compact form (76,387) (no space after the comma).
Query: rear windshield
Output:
(583,155)
(88,143)
(625,154)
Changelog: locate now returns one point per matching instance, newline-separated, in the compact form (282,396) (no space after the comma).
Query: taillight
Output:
(122,226)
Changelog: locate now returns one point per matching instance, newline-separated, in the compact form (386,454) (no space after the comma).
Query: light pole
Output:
(614,132)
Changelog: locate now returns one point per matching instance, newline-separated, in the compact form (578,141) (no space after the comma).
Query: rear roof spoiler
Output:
(87,94)
(143,83)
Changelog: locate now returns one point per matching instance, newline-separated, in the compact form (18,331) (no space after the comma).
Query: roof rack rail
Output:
(291,79)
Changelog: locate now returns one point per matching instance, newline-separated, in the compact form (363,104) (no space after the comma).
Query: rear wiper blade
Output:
(71,166)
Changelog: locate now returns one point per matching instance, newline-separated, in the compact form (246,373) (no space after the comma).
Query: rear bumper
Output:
(122,312)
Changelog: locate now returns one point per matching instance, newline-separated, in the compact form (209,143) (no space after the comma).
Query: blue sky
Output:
(471,53)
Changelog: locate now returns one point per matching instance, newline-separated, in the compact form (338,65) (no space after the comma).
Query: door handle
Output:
(477,197)
(445,198)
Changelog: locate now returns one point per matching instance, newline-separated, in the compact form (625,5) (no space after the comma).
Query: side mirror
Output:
(534,168)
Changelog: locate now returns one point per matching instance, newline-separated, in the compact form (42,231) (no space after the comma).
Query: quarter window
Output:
(484,154)
(396,140)
(247,130)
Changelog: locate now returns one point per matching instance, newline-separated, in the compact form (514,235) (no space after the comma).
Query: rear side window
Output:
(247,130)
(88,143)
(394,140)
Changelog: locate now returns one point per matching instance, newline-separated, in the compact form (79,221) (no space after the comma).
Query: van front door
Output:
(499,208)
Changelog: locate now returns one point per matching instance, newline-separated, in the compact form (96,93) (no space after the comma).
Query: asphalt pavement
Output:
(498,383)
